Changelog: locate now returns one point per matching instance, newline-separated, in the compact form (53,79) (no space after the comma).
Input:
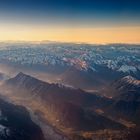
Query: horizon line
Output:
(66,42)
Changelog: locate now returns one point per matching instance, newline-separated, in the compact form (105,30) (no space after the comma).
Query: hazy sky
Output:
(91,21)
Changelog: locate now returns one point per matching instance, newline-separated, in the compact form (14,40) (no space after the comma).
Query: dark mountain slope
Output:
(47,91)
(69,107)
(127,84)
(127,99)
(16,124)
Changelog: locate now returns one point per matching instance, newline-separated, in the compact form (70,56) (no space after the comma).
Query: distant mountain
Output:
(92,66)
(90,78)
(70,107)
(16,124)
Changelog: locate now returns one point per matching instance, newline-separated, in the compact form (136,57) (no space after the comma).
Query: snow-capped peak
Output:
(131,80)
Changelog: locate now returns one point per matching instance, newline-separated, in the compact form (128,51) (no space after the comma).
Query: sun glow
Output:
(71,34)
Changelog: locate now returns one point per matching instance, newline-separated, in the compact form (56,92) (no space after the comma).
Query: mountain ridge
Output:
(73,108)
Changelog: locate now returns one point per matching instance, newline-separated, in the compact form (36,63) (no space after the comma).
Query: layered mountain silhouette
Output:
(70,107)
(91,78)
(58,92)
(76,110)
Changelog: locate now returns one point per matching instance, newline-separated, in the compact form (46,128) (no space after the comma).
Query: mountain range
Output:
(92,66)
(76,112)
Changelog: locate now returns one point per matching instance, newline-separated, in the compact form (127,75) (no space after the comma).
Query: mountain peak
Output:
(127,86)
(21,77)
(21,74)
(128,78)
(131,80)
(24,80)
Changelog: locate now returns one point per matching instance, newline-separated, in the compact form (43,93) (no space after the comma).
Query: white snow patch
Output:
(128,69)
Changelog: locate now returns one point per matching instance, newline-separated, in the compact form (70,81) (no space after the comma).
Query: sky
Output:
(90,21)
